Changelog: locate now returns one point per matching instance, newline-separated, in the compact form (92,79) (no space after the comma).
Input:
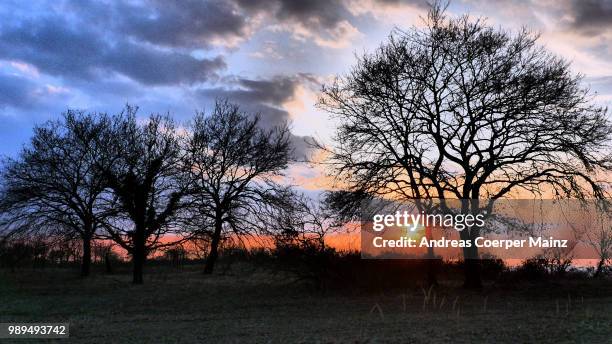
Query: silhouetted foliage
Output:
(599,237)
(53,187)
(13,254)
(142,167)
(176,256)
(233,165)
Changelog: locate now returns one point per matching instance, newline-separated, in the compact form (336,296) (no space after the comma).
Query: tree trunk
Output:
(472,274)
(599,268)
(432,266)
(86,260)
(214,248)
(431,263)
(471,262)
(139,257)
(107,262)
(138,269)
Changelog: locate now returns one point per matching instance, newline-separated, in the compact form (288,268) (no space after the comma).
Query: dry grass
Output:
(259,307)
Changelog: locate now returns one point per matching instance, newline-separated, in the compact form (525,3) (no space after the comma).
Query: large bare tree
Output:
(459,109)
(233,165)
(54,186)
(142,167)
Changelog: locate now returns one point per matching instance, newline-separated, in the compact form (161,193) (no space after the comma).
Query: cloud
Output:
(326,22)
(71,49)
(204,24)
(389,12)
(326,13)
(157,67)
(269,50)
(591,16)
(603,87)
(188,23)
(323,12)
(19,92)
(16,91)
(584,17)
(338,37)
(25,69)
(265,97)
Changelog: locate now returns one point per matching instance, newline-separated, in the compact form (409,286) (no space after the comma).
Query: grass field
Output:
(259,307)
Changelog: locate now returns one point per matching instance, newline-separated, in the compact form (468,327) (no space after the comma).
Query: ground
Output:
(185,306)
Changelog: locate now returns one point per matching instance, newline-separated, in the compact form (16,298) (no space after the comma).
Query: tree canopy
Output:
(459,109)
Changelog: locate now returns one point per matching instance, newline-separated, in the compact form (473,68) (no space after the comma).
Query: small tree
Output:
(599,237)
(233,163)
(143,169)
(461,110)
(53,186)
(304,222)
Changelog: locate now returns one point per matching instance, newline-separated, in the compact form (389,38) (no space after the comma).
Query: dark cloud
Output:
(22,93)
(17,92)
(149,41)
(52,46)
(203,23)
(265,97)
(152,66)
(303,147)
(417,3)
(327,13)
(59,47)
(324,12)
(188,23)
(591,16)
(329,23)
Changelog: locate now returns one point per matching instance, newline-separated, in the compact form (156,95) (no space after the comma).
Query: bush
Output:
(327,268)
(492,267)
(308,262)
(19,253)
(542,268)
(533,269)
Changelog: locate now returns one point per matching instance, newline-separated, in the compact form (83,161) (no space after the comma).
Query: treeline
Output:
(146,185)
(41,252)
(320,268)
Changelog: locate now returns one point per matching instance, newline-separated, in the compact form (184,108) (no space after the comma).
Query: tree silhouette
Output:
(597,233)
(304,222)
(233,163)
(53,186)
(142,167)
(459,109)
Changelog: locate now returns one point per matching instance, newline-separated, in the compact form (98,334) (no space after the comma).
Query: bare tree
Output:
(233,163)
(53,185)
(305,222)
(599,237)
(142,167)
(601,241)
(459,109)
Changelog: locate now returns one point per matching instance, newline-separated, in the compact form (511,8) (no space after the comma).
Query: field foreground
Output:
(184,306)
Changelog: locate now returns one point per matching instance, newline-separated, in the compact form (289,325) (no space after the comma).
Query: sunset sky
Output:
(269,56)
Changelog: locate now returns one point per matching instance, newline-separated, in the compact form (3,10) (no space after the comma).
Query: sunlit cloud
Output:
(400,13)
(25,68)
